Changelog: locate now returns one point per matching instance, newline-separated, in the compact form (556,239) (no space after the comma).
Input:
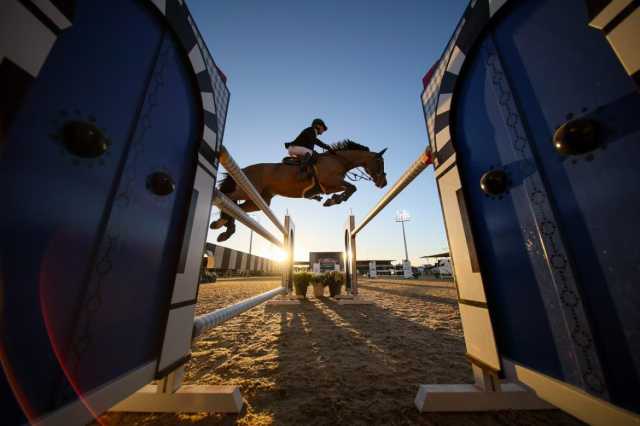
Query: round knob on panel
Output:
(494,182)
(84,139)
(160,183)
(576,137)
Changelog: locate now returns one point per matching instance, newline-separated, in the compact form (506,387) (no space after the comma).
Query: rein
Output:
(356,176)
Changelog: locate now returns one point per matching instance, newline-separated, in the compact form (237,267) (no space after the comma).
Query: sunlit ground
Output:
(323,363)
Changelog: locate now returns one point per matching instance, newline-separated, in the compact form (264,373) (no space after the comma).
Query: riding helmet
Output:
(320,122)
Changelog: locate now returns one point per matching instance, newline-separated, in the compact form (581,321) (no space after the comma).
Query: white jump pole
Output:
(205,322)
(417,167)
(243,182)
(232,209)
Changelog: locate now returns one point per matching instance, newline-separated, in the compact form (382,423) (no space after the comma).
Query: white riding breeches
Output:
(298,151)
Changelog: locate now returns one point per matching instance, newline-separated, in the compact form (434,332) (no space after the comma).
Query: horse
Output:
(271,179)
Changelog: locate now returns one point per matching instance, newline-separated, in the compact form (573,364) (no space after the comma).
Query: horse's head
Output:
(360,156)
(374,166)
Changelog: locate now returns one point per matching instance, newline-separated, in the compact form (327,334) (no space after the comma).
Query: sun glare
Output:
(280,255)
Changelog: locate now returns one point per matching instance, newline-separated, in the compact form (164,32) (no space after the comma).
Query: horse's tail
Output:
(227,185)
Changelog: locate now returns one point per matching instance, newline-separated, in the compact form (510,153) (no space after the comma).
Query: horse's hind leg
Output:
(230,223)
(249,206)
(231,229)
(224,218)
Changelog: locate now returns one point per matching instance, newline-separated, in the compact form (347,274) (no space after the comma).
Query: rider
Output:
(302,146)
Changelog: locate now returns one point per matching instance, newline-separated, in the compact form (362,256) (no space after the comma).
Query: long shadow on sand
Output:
(340,363)
(321,363)
(425,297)
(362,364)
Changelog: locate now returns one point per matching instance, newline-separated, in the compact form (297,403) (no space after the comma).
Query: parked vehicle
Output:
(442,268)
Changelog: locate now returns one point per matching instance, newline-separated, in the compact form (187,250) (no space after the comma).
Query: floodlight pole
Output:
(402,217)
(404,238)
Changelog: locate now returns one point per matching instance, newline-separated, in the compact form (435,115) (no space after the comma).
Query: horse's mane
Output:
(347,145)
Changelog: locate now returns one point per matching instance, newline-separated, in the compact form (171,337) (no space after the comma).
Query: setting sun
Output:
(279,255)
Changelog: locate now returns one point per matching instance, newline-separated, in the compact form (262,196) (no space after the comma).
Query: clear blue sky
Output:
(358,64)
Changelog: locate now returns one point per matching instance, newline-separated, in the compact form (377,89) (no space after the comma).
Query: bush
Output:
(301,281)
(317,281)
(334,281)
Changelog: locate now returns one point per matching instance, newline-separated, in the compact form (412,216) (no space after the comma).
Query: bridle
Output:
(360,173)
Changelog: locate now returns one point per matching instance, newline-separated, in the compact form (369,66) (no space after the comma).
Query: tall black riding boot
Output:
(304,161)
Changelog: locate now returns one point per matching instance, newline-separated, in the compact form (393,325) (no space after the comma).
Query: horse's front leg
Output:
(347,191)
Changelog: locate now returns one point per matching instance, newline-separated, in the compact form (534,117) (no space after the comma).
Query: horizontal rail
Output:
(243,182)
(407,177)
(204,322)
(232,209)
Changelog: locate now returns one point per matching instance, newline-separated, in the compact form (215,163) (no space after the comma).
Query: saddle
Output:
(291,161)
(315,187)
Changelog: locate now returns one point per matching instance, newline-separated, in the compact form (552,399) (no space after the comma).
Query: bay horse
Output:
(271,179)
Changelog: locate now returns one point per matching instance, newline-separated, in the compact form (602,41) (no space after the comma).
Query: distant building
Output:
(440,265)
(301,266)
(334,261)
(323,261)
(373,268)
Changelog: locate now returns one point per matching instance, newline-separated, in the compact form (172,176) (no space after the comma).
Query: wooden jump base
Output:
(169,396)
(487,394)
(541,392)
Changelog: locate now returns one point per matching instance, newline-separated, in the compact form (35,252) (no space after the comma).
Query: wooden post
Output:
(287,268)
(350,266)
(170,396)
(486,394)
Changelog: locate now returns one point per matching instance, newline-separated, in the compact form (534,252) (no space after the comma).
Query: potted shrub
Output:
(317,281)
(334,281)
(300,283)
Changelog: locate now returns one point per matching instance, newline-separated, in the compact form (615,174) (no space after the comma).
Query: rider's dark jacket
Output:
(308,139)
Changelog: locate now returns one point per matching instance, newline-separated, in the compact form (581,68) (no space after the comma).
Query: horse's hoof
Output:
(218,224)
(317,198)
(329,203)
(224,236)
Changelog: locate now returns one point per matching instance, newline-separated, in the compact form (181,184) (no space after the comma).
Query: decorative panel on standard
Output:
(546,137)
